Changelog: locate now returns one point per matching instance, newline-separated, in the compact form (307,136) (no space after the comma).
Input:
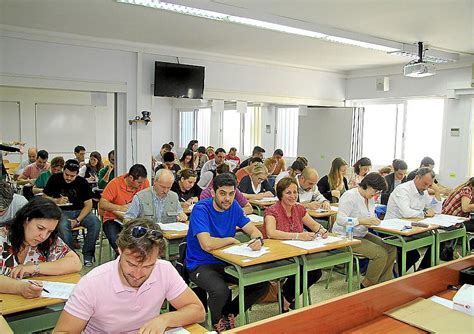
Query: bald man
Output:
(309,194)
(32,152)
(158,202)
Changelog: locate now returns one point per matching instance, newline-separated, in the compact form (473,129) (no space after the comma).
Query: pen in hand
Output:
(38,285)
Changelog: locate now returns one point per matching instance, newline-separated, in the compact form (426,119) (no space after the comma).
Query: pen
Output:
(36,284)
(251,242)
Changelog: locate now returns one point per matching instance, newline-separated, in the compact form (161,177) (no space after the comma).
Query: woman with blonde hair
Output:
(333,185)
(255,185)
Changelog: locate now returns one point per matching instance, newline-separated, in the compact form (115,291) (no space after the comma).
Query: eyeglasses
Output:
(140,231)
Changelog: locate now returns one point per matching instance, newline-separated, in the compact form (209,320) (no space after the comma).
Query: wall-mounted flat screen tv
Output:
(179,80)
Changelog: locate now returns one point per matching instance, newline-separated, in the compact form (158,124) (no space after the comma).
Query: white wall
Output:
(101,128)
(454,164)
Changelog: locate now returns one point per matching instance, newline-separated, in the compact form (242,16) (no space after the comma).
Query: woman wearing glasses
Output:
(30,245)
(256,185)
(358,203)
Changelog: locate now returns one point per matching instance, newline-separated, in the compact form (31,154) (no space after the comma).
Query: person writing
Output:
(285,220)
(186,188)
(31,246)
(333,185)
(256,185)
(358,203)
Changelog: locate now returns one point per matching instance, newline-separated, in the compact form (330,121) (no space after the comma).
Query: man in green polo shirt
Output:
(57,165)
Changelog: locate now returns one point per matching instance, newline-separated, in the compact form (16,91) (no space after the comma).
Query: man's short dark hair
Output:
(426,161)
(374,180)
(297,165)
(168,157)
(79,148)
(257,149)
(202,149)
(222,168)
(255,159)
(219,150)
(72,165)
(223,180)
(137,171)
(171,143)
(110,154)
(399,164)
(279,152)
(42,154)
(233,149)
(425,170)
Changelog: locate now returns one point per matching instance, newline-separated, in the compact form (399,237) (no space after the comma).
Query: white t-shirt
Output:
(17,203)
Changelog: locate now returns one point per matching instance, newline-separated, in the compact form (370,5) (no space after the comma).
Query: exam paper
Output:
(177,330)
(57,289)
(173,226)
(255,218)
(395,224)
(245,250)
(443,220)
(318,242)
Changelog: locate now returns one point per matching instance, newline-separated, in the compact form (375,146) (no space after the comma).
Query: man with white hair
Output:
(158,202)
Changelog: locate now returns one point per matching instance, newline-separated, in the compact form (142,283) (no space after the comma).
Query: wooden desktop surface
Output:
(335,245)
(196,329)
(363,311)
(261,204)
(172,235)
(407,233)
(278,251)
(325,214)
(14,303)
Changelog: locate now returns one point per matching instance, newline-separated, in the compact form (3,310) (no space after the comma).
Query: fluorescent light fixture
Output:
(429,55)
(255,23)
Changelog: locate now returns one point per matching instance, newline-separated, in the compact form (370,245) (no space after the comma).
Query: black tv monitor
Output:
(179,80)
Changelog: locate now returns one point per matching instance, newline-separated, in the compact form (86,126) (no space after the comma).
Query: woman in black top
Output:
(256,185)
(333,185)
(186,188)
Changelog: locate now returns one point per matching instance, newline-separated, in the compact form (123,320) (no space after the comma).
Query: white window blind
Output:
(287,131)
(231,129)
(252,129)
(186,127)
(203,127)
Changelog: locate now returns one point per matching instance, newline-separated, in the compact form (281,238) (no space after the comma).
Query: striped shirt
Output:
(452,205)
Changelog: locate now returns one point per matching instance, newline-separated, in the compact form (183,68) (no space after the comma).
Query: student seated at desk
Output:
(126,295)
(30,246)
(333,185)
(308,193)
(242,172)
(358,203)
(284,221)
(239,197)
(461,202)
(394,179)
(117,196)
(295,169)
(212,226)
(361,168)
(106,174)
(186,188)
(93,168)
(411,200)
(256,185)
(31,172)
(57,165)
(186,160)
(10,202)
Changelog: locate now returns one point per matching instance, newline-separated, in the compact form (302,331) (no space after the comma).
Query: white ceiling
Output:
(445,24)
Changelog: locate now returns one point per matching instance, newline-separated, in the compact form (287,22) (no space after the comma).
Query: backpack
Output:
(180,264)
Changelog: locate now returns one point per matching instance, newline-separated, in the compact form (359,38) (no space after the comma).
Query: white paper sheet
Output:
(255,218)
(174,226)
(191,207)
(177,330)
(268,199)
(318,242)
(443,220)
(395,224)
(443,301)
(57,289)
(334,208)
(245,250)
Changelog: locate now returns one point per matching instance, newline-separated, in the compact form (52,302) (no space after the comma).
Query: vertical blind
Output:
(287,131)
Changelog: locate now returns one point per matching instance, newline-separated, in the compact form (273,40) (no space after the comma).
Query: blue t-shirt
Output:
(218,224)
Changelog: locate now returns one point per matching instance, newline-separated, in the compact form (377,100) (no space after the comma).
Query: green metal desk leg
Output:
(241,297)
(433,252)
(404,259)
(297,284)
(351,270)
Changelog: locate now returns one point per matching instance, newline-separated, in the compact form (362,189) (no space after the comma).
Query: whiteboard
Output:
(61,127)
(9,121)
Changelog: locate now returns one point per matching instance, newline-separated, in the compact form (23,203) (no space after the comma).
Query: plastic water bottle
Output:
(350,229)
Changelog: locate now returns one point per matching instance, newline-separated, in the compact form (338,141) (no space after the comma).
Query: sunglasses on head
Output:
(140,231)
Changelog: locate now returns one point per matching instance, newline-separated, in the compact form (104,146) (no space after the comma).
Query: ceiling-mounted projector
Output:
(419,70)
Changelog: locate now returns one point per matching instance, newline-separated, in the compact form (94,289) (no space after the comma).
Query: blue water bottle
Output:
(350,228)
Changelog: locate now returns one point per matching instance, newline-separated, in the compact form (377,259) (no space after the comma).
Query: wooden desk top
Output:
(14,303)
(363,311)
(4,328)
(325,214)
(261,204)
(407,233)
(278,251)
(196,329)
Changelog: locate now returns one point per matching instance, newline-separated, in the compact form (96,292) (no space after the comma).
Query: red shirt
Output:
(236,158)
(294,223)
(452,205)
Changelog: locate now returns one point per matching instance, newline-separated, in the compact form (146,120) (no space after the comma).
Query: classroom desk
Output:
(325,214)
(410,239)
(29,315)
(267,267)
(196,329)
(444,235)
(363,311)
(260,206)
(4,328)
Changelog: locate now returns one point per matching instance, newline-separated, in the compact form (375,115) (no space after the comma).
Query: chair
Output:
(102,235)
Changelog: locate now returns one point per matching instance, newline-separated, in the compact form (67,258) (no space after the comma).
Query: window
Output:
(252,129)
(231,129)
(472,143)
(394,131)
(195,124)
(287,131)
